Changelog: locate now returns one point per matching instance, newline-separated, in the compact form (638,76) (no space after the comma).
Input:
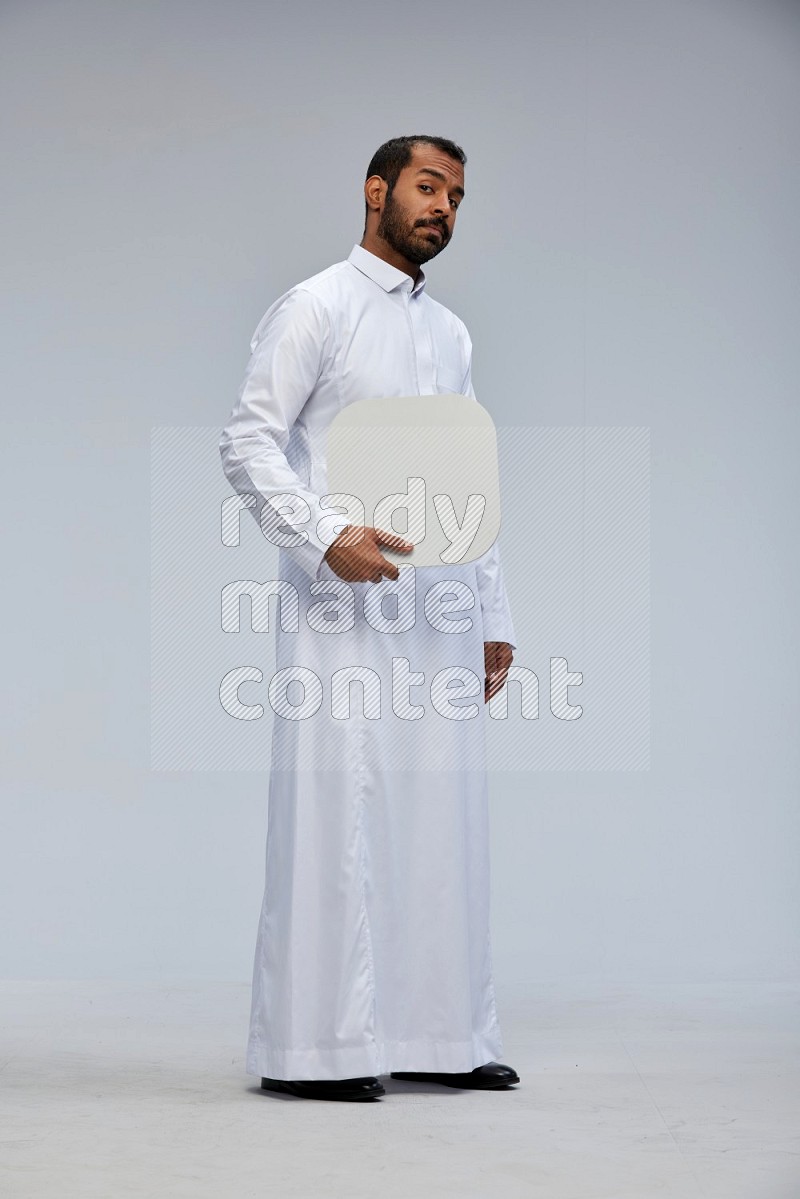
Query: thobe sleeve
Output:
(495,609)
(287,354)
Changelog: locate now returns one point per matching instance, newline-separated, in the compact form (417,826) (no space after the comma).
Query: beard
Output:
(408,239)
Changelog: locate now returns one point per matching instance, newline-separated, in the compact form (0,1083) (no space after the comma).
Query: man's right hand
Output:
(355,556)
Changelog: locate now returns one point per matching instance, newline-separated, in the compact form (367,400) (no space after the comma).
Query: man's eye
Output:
(455,203)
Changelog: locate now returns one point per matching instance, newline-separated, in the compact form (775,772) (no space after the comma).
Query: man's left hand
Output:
(497,657)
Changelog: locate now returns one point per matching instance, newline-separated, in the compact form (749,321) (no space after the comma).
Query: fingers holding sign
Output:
(355,557)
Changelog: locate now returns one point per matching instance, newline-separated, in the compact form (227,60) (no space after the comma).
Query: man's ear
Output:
(373,191)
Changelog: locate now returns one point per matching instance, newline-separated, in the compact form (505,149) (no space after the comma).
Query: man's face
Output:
(425,198)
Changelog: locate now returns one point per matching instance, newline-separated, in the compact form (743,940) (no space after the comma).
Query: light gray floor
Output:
(112,1089)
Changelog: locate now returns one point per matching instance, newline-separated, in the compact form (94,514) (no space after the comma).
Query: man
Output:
(372,952)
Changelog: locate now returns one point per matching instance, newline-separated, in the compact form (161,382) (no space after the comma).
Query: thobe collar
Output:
(383,273)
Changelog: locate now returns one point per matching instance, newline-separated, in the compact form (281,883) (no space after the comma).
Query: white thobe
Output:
(373,948)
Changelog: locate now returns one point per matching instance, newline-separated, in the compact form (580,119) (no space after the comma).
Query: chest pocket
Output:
(448,379)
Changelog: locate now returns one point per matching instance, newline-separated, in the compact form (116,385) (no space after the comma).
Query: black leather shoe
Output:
(337,1088)
(483,1078)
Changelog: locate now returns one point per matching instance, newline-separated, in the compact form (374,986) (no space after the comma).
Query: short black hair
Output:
(390,158)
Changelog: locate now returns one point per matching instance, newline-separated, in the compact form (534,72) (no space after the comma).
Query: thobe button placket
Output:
(426,370)
(405,292)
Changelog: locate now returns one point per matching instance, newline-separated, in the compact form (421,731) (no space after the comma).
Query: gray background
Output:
(626,256)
